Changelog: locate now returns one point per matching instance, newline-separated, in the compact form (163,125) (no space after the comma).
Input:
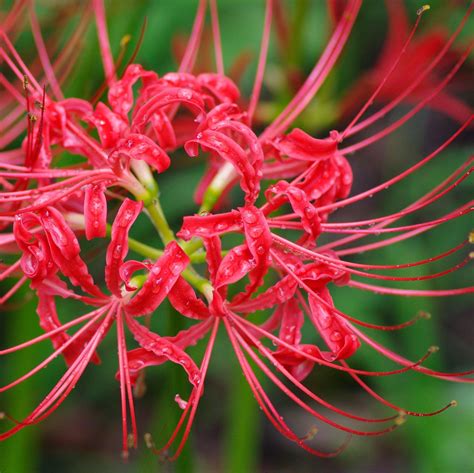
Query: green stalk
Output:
(155,212)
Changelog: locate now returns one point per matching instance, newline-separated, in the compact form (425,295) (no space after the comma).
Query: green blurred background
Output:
(230,433)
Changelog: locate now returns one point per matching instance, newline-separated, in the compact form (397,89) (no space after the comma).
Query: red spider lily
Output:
(305,180)
(53,248)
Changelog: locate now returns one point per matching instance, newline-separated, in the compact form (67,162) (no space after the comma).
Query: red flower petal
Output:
(211,225)
(340,339)
(118,246)
(95,211)
(258,240)
(162,347)
(183,298)
(136,146)
(110,126)
(65,251)
(220,86)
(120,94)
(299,145)
(230,151)
(163,275)
(168,96)
(302,207)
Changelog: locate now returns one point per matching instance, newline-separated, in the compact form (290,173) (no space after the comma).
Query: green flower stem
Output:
(191,246)
(155,212)
(197,281)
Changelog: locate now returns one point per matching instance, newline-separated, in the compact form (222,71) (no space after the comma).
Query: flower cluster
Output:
(291,183)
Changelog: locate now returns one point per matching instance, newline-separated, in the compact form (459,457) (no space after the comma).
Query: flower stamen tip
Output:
(422,314)
(471,237)
(310,434)
(422,9)
(433,349)
(125,40)
(401,419)
(149,441)
(453,403)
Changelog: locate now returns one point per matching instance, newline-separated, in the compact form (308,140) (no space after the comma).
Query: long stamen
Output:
(104,43)
(50,333)
(401,121)
(189,57)
(262,60)
(216,33)
(267,354)
(267,406)
(384,80)
(125,386)
(301,403)
(43,55)
(64,386)
(317,75)
(13,290)
(385,185)
(417,81)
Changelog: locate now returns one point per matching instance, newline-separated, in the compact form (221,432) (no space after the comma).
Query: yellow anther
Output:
(422,10)
(422,314)
(125,40)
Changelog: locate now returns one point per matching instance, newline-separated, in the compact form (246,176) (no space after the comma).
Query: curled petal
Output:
(121,93)
(183,298)
(258,240)
(345,177)
(302,207)
(230,151)
(208,226)
(220,86)
(213,248)
(162,277)
(274,295)
(168,96)
(137,146)
(95,211)
(128,268)
(220,113)
(299,145)
(118,246)
(138,360)
(340,339)
(110,126)
(162,347)
(163,129)
(65,251)
(234,266)
(291,322)
(249,137)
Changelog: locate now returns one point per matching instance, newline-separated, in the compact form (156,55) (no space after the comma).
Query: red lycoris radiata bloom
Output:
(292,184)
